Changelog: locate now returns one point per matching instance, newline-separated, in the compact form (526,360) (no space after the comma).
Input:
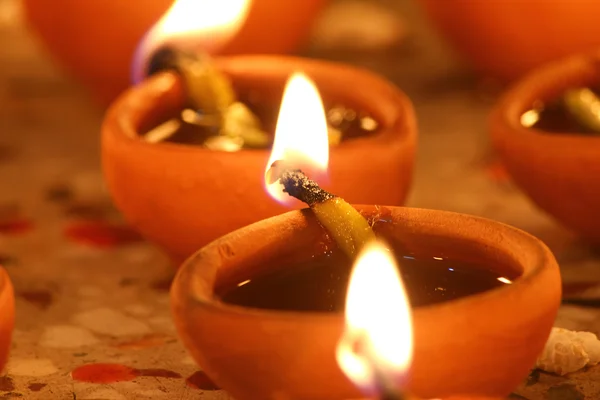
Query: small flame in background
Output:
(191,24)
(301,139)
(377,341)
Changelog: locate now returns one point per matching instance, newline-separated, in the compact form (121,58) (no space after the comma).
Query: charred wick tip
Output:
(298,185)
(163,59)
(169,58)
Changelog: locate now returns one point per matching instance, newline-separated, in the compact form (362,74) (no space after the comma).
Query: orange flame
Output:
(377,341)
(192,24)
(301,139)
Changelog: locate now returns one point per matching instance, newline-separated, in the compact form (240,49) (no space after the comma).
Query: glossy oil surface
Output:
(320,284)
(554,117)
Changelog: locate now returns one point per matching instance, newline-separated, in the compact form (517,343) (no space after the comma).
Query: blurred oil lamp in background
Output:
(183,180)
(96,40)
(507,40)
(545,130)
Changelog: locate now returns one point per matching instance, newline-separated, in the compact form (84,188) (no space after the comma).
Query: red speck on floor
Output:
(40,298)
(111,373)
(15,226)
(36,387)
(199,380)
(103,373)
(101,234)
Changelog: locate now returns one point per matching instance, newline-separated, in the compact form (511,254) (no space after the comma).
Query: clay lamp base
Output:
(7,316)
(559,171)
(182,197)
(483,344)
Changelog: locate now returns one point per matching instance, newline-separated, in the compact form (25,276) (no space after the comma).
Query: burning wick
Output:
(297,184)
(213,103)
(350,230)
(208,89)
(182,41)
(300,143)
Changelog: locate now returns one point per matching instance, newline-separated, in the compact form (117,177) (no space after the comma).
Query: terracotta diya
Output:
(281,345)
(182,197)
(558,169)
(7,316)
(76,33)
(507,39)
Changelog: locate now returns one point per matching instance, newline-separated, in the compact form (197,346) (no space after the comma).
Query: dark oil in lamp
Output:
(320,284)
(224,115)
(575,111)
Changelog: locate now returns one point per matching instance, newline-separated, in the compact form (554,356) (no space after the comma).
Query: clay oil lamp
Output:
(474,337)
(261,310)
(183,195)
(7,316)
(507,39)
(546,129)
(75,33)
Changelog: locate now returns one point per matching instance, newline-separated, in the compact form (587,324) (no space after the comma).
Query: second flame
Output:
(301,140)
(377,342)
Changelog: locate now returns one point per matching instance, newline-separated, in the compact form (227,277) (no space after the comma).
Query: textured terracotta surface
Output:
(559,171)
(502,330)
(506,39)
(182,197)
(76,34)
